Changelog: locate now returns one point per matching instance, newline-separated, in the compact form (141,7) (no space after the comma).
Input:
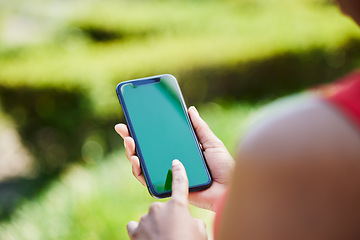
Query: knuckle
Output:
(199,128)
(176,168)
(143,218)
(203,126)
(128,155)
(155,207)
(178,178)
(178,203)
(218,143)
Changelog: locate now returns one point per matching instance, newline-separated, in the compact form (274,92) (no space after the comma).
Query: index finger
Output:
(180,183)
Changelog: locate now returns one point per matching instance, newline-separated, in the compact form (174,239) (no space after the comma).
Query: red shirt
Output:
(343,95)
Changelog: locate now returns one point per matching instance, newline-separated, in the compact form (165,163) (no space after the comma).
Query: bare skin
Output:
(297,177)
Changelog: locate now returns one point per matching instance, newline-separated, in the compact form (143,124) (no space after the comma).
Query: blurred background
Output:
(63,171)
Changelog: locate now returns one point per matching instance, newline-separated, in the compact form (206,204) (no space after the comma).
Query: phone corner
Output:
(118,87)
(157,195)
(204,186)
(209,183)
(168,75)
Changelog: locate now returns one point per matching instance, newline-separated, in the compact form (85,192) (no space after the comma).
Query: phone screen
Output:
(163,132)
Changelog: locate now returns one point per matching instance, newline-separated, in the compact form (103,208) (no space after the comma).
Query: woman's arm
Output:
(297,177)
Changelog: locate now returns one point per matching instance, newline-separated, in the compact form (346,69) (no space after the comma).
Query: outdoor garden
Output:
(63,170)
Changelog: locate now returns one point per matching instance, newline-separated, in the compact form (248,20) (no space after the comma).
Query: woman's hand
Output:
(217,157)
(171,220)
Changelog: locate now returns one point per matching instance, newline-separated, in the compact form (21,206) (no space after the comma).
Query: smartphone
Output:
(159,123)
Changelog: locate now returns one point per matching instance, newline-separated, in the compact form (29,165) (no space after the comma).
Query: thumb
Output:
(180,183)
(206,137)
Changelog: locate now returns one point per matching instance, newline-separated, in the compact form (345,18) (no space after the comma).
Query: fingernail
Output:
(175,162)
(124,143)
(196,111)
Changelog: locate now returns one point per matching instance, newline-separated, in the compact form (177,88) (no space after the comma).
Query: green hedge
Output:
(60,91)
(108,42)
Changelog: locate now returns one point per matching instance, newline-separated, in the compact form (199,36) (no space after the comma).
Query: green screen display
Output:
(163,132)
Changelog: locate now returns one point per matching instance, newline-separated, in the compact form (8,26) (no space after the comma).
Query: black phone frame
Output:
(150,80)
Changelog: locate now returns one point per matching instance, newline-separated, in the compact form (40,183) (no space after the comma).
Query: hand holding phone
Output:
(161,129)
(218,159)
